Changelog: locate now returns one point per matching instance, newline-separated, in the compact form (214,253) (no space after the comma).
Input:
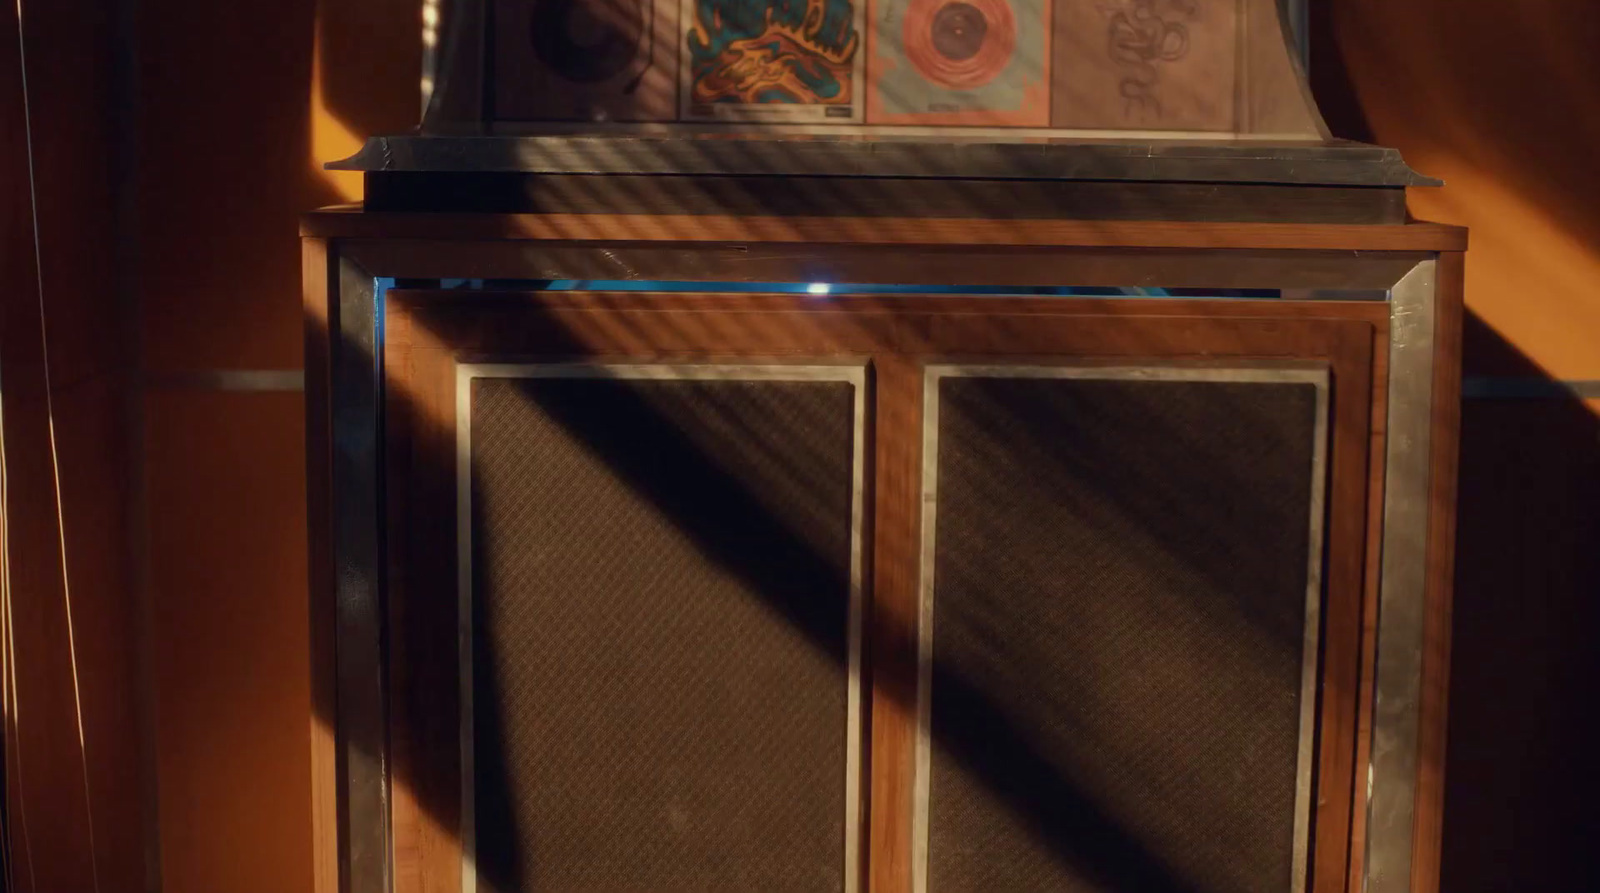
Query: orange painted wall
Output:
(1502,101)
(240,103)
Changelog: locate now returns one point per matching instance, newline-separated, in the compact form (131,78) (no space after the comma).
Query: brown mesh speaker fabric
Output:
(1119,605)
(661,584)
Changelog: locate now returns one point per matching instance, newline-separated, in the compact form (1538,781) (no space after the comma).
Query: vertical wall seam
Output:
(123,161)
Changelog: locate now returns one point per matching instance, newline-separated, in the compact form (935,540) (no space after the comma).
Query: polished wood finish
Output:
(1344,569)
(1377,450)
(893,620)
(521,193)
(905,265)
(690,228)
(424,663)
(429,330)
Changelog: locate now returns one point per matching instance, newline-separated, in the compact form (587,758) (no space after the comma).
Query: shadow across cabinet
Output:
(949,533)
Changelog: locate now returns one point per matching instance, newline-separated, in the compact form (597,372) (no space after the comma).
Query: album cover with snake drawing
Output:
(779,61)
(585,60)
(960,62)
(1145,64)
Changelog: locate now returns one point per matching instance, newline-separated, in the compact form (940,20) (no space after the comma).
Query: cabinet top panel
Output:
(1335,163)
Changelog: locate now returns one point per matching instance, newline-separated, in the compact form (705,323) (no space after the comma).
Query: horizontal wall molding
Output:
(1496,387)
(249,380)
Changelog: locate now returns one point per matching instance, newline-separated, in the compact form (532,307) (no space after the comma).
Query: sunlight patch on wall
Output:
(1528,276)
(331,140)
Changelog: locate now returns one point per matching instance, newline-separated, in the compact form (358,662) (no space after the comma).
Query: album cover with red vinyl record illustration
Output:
(961,62)
(775,61)
(585,60)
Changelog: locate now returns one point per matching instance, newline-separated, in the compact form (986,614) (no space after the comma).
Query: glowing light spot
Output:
(817,288)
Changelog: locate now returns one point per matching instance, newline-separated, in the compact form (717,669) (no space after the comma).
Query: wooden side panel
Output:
(892,625)
(1376,451)
(1345,583)
(318,313)
(424,701)
(689,228)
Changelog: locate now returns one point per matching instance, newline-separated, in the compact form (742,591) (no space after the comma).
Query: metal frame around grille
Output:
(853,373)
(933,374)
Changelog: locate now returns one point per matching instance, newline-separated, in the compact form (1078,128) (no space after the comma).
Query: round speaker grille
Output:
(587,41)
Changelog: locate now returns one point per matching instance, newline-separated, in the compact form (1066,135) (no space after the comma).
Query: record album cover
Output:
(780,61)
(973,62)
(585,60)
(1145,64)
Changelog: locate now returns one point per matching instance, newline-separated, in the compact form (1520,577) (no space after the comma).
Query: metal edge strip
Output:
(854,373)
(854,725)
(1317,376)
(1396,712)
(1311,646)
(468,829)
(361,728)
(922,781)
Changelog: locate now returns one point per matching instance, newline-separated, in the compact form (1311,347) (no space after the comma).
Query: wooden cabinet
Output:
(732,553)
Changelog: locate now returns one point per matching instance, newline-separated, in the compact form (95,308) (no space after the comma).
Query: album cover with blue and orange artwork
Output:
(782,61)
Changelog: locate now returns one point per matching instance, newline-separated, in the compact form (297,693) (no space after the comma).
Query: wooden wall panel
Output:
(84,803)
(108,627)
(1520,780)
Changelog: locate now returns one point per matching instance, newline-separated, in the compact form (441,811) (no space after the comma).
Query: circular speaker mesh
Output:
(587,41)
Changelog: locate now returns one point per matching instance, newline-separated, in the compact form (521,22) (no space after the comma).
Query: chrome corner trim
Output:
(1311,651)
(468,830)
(362,739)
(1392,774)
(854,373)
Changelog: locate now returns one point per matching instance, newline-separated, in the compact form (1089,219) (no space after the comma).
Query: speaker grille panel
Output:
(1119,607)
(662,583)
